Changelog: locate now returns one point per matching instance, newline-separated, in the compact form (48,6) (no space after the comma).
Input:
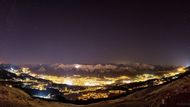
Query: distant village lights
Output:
(77,66)
(69,82)
(181,69)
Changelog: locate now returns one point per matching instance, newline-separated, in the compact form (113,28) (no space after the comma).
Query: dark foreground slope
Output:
(175,93)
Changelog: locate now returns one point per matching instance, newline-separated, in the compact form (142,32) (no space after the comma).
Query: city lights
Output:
(77,66)
(181,69)
(68,82)
(84,88)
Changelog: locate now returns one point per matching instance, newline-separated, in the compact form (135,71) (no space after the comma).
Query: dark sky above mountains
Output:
(89,31)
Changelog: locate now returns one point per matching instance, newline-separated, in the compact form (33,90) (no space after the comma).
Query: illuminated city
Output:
(94,53)
(87,88)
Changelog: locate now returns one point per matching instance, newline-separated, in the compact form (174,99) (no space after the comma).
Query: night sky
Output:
(88,31)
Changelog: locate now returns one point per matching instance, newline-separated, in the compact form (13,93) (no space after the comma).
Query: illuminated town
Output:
(86,89)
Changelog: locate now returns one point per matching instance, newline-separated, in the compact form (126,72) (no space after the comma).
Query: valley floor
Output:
(176,93)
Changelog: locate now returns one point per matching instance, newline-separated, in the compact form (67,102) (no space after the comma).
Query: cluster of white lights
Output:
(69,82)
(40,96)
(77,66)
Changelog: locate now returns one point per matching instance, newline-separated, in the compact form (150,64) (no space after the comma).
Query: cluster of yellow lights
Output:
(95,81)
(67,91)
(181,69)
(178,71)
(145,77)
(39,86)
(93,95)
(117,91)
(80,80)
(25,70)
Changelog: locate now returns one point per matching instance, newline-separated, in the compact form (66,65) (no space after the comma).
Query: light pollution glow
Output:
(78,80)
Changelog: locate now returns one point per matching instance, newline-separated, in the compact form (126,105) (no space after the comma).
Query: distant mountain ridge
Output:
(92,69)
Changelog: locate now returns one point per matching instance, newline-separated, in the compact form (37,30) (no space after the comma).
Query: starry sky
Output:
(94,31)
